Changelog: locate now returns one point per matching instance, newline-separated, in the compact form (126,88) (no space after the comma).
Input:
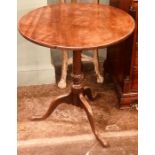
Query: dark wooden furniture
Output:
(122,59)
(76,27)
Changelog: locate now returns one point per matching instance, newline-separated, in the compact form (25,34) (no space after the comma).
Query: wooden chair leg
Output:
(100,78)
(62,82)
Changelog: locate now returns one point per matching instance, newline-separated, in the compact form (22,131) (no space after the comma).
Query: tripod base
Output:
(77,100)
(76,96)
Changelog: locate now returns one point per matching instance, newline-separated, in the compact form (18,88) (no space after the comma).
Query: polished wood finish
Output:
(76,97)
(122,59)
(66,61)
(76,26)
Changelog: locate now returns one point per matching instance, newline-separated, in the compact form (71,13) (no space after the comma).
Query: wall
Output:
(34,63)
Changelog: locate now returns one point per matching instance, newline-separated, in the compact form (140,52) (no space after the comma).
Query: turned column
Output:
(77,76)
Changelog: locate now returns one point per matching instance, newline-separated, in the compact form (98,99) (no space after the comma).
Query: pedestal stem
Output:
(77,62)
(77,87)
(77,75)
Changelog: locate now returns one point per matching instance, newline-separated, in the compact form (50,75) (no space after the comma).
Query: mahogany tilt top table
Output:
(76,27)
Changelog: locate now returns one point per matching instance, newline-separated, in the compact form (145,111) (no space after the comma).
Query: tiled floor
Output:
(67,130)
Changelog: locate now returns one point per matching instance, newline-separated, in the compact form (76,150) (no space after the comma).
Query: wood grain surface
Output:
(76,26)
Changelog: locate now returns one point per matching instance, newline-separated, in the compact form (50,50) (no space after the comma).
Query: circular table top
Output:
(76,26)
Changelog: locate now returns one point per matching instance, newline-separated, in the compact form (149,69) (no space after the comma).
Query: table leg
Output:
(88,92)
(76,96)
(89,113)
(67,98)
